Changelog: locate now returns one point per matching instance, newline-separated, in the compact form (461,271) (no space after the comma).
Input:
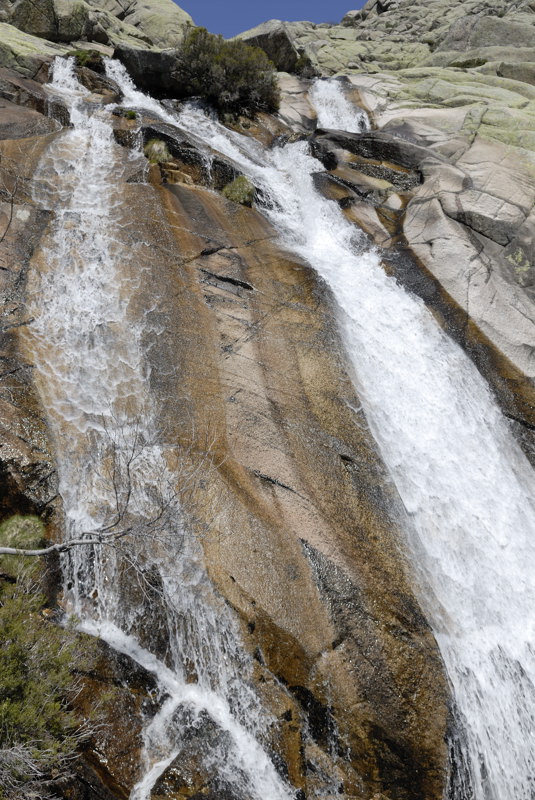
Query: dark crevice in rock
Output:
(228,279)
(530,426)
(273,481)
(319,716)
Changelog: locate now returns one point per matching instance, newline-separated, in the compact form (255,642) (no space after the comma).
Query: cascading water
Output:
(465,484)
(334,110)
(86,339)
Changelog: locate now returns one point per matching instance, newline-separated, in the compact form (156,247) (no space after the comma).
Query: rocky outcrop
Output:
(469,220)
(276,38)
(308,574)
(27,55)
(296,516)
(141,23)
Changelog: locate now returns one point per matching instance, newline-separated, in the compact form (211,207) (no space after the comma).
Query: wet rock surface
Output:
(28,480)
(248,348)
(253,314)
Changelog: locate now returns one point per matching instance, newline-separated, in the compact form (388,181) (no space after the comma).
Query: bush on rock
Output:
(233,77)
(157,151)
(88,58)
(241,191)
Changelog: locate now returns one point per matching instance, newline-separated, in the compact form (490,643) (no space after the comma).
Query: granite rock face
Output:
(296,515)
(299,521)
(145,23)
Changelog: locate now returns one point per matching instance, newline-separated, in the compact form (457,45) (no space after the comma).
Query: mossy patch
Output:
(469,63)
(91,59)
(241,191)
(157,151)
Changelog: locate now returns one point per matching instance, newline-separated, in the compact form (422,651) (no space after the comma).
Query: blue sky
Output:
(230,17)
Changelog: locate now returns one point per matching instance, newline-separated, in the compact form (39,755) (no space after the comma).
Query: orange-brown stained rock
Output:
(297,512)
(117,696)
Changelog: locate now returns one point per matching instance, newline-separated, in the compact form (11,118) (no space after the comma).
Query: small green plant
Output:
(233,77)
(88,58)
(240,190)
(157,151)
(129,114)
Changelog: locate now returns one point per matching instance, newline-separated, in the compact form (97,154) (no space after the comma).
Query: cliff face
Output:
(298,520)
(296,516)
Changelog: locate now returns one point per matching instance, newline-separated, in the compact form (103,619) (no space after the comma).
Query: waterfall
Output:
(115,475)
(466,486)
(334,109)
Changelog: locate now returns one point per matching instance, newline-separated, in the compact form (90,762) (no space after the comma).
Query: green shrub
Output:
(240,190)
(88,58)
(233,77)
(39,731)
(129,114)
(156,151)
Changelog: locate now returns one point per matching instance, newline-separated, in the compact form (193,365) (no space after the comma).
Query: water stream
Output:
(114,475)
(467,488)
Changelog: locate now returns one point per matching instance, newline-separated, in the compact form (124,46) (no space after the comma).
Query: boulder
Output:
(150,69)
(152,23)
(26,54)
(209,169)
(99,84)
(161,21)
(277,40)
(55,20)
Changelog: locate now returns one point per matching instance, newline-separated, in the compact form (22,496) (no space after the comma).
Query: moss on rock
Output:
(24,53)
(157,151)
(241,191)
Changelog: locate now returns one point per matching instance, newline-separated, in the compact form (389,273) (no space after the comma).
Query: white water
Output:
(466,486)
(113,474)
(334,110)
